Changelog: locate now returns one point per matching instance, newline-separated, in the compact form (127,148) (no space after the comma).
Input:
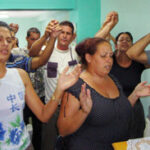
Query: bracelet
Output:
(54,98)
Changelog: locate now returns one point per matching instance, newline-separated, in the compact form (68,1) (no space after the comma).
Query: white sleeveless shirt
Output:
(13,133)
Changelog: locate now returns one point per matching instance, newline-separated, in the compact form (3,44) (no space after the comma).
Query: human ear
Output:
(88,58)
(73,36)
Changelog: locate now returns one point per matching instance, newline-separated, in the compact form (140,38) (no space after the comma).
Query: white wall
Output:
(27,19)
(134,16)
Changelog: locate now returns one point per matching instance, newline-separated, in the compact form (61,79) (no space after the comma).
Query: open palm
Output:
(66,80)
(85,99)
(142,89)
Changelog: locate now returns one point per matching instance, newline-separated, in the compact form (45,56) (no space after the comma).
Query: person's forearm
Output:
(50,108)
(37,46)
(70,124)
(138,48)
(44,57)
(104,30)
(133,98)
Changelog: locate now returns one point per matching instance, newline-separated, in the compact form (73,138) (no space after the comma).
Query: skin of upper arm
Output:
(31,98)
(35,62)
(143,59)
(40,53)
(69,106)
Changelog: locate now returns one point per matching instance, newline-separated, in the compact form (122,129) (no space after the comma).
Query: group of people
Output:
(89,105)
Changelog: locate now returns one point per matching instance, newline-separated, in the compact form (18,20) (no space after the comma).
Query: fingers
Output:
(111,19)
(143,90)
(77,69)
(89,94)
(76,72)
(57,28)
(143,82)
(53,26)
(83,93)
(83,87)
(85,99)
(65,70)
(112,13)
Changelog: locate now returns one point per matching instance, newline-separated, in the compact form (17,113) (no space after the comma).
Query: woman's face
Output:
(5,44)
(101,62)
(124,42)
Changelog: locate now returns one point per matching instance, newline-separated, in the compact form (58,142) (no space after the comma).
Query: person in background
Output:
(106,117)
(33,34)
(62,56)
(128,71)
(29,64)
(16,89)
(37,80)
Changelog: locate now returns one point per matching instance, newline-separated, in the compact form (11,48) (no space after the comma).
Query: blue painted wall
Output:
(87,16)
(37,4)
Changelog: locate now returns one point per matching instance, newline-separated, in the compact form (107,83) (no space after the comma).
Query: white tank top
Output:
(13,133)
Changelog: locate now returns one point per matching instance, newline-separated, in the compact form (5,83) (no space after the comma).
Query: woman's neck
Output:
(103,84)
(89,75)
(122,59)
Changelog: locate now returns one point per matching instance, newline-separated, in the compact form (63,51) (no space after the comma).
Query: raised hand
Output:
(111,19)
(56,30)
(53,29)
(85,99)
(142,89)
(66,80)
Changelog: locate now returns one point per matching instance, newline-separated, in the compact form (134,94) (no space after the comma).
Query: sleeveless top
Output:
(107,122)
(13,134)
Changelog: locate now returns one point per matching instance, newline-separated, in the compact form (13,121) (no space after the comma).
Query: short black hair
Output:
(4,24)
(33,29)
(67,23)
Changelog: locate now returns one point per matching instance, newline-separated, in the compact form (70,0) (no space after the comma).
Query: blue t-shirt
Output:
(19,61)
